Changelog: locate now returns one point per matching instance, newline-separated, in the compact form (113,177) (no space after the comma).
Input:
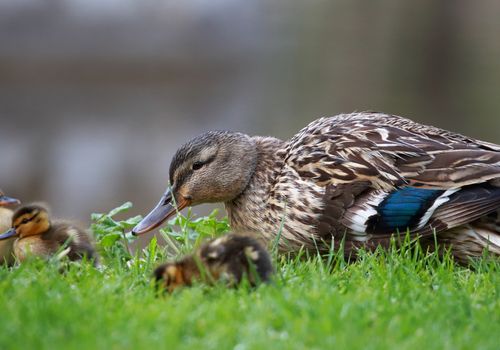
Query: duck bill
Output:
(4,201)
(8,234)
(163,210)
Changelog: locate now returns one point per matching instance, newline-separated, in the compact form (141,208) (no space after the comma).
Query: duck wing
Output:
(413,176)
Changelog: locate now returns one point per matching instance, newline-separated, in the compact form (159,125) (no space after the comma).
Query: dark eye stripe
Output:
(25,220)
(209,160)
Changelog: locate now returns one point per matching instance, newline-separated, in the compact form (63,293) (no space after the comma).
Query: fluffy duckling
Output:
(6,253)
(228,258)
(37,235)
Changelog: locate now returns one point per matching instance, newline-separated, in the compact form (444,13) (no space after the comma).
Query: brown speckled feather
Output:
(390,151)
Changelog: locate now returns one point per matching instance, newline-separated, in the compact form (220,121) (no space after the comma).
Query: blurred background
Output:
(96,95)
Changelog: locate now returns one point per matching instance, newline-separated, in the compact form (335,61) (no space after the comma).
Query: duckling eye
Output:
(198,165)
(24,221)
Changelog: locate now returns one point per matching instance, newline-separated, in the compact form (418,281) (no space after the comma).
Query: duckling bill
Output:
(229,258)
(6,201)
(37,235)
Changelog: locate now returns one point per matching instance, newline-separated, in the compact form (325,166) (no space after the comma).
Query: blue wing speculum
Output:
(423,210)
(404,208)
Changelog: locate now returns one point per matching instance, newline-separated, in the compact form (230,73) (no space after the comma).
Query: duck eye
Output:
(24,221)
(197,165)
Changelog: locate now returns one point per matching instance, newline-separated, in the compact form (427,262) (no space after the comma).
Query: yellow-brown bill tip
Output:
(161,212)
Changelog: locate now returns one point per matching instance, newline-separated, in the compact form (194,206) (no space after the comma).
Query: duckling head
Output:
(28,221)
(213,167)
(6,201)
(170,276)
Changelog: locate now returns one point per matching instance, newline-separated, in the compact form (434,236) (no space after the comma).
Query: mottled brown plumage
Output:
(36,235)
(229,258)
(360,177)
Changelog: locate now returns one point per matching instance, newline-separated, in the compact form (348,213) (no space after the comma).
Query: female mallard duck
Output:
(38,236)
(357,177)
(6,254)
(229,258)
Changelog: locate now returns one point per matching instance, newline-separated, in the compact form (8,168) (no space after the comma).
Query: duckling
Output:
(37,235)
(228,258)
(6,246)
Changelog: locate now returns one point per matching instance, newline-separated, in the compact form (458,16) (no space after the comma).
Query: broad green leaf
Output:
(122,208)
(96,216)
(109,240)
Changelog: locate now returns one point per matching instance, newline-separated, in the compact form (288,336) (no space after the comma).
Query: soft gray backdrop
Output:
(96,95)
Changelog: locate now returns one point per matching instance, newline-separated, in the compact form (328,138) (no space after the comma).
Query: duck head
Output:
(213,167)
(6,201)
(28,221)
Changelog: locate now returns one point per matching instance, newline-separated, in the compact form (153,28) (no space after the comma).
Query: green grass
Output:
(397,299)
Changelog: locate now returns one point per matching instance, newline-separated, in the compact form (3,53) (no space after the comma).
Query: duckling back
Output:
(74,238)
